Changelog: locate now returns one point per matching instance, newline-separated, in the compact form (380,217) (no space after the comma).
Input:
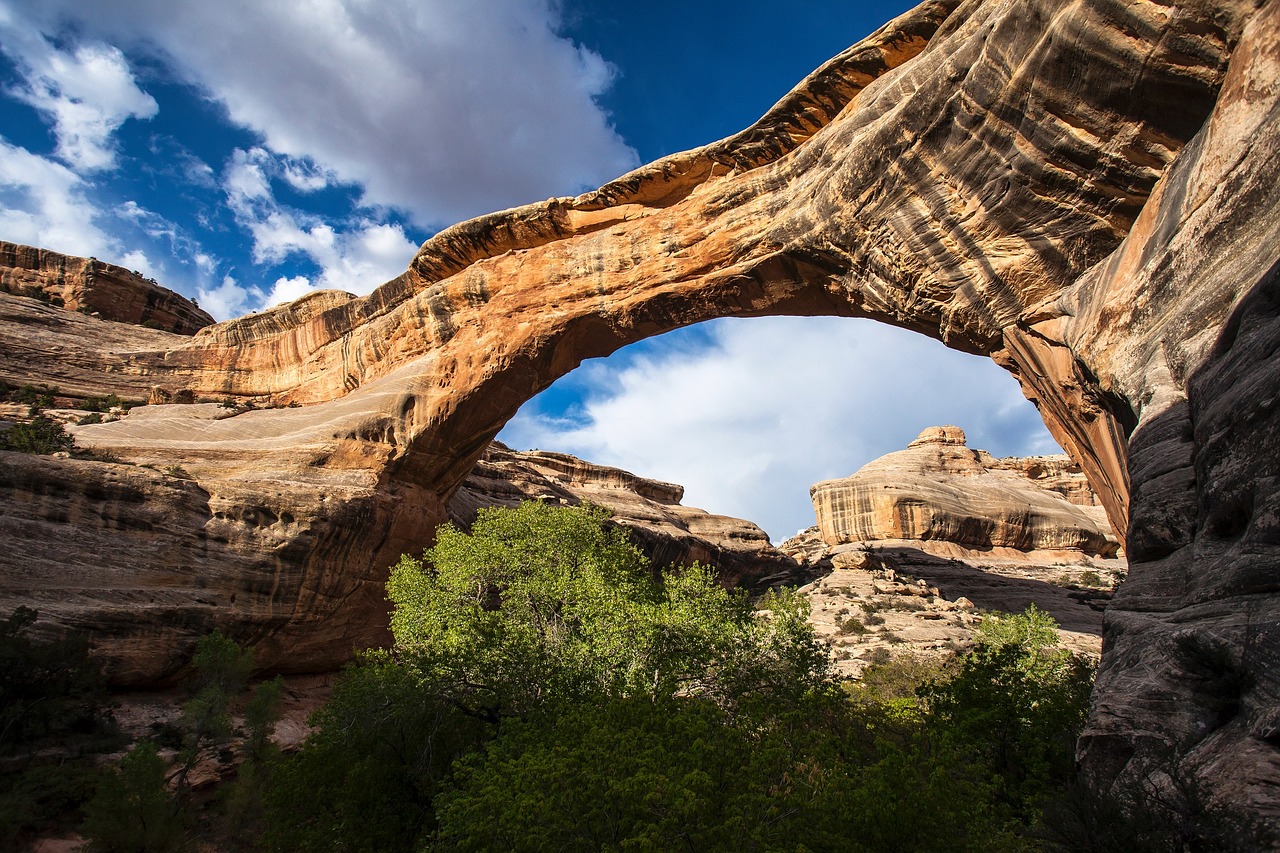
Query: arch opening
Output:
(748,413)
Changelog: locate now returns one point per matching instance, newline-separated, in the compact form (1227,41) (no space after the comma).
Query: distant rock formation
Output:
(939,489)
(91,286)
(668,533)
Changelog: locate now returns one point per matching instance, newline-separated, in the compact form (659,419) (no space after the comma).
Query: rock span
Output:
(1087,193)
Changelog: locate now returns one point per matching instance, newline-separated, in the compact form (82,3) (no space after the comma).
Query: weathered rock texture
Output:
(940,489)
(669,533)
(1089,193)
(89,285)
(927,596)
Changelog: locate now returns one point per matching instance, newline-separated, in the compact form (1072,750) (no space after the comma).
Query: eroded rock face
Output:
(1088,193)
(939,489)
(668,533)
(89,285)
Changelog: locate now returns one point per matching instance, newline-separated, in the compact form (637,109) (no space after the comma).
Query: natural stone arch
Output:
(969,172)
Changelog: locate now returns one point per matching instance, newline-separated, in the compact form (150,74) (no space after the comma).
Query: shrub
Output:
(852,625)
(38,397)
(102,403)
(134,809)
(41,435)
(54,713)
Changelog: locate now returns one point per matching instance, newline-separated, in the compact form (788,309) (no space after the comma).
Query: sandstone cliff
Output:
(939,489)
(94,287)
(909,550)
(1087,193)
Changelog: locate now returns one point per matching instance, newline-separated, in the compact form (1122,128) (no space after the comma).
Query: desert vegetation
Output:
(549,689)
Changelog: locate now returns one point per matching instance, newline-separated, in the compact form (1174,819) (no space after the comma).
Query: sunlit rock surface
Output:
(94,287)
(1087,193)
(940,489)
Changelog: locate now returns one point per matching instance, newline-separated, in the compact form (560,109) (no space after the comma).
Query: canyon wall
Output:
(94,287)
(1088,193)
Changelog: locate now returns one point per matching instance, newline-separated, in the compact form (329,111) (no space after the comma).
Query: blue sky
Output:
(244,153)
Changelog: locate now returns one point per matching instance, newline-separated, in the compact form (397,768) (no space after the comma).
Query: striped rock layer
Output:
(939,489)
(1087,192)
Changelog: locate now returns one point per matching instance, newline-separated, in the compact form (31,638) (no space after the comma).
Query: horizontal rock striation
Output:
(1087,193)
(670,534)
(91,286)
(939,489)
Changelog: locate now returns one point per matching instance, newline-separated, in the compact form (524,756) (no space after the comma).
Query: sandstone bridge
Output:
(1087,192)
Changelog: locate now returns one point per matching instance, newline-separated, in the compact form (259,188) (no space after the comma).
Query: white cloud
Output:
(229,299)
(355,256)
(140,263)
(289,289)
(442,109)
(87,92)
(43,203)
(774,405)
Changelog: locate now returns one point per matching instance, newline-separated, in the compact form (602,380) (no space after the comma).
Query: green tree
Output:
(381,749)
(54,714)
(540,604)
(134,810)
(1016,705)
(681,773)
(40,435)
(222,672)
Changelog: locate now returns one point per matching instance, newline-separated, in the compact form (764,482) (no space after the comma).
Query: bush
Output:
(54,714)
(38,397)
(134,810)
(852,625)
(40,435)
(1016,707)
(102,403)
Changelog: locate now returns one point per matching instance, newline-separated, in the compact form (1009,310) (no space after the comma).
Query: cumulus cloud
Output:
(747,414)
(86,92)
(355,256)
(43,203)
(441,109)
(229,298)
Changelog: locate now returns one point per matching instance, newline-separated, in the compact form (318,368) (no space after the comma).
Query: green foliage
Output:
(134,811)
(243,807)
(47,690)
(36,396)
(53,715)
(1015,706)
(677,774)
(548,690)
(381,750)
(222,671)
(40,435)
(38,795)
(102,403)
(1091,578)
(540,604)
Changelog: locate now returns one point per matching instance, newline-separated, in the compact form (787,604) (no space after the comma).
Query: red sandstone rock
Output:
(91,286)
(939,489)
